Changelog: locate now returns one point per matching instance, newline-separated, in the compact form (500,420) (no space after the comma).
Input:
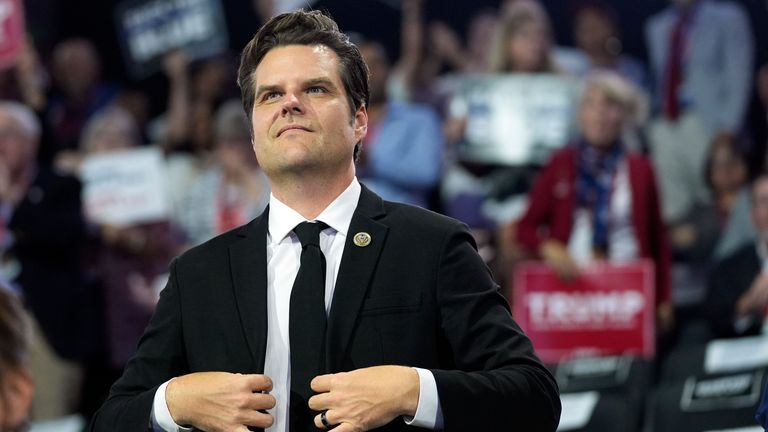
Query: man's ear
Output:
(360,123)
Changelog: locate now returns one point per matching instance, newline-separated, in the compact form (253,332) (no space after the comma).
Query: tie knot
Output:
(309,233)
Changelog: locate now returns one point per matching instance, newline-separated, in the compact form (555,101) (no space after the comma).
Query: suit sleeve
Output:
(160,357)
(496,382)
(730,279)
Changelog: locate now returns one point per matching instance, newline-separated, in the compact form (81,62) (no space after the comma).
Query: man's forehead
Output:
(297,62)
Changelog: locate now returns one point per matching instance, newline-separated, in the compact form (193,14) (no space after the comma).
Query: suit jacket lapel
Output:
(248,261)
(355,273)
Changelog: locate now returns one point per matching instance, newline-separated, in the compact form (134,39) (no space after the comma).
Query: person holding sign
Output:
(596,201)
(334,308)
(129,253)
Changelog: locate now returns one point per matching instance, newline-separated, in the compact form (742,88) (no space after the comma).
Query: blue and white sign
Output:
(148,29)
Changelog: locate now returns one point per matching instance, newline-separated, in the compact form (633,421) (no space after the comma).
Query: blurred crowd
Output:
(658,165)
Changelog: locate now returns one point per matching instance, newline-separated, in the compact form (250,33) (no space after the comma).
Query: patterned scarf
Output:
(594,183)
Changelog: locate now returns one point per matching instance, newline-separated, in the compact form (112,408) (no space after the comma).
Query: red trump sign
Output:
(607,310)
(11,31)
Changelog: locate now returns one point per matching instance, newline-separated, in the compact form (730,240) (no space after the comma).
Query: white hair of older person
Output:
(621,91)
(24,116)
(112,128)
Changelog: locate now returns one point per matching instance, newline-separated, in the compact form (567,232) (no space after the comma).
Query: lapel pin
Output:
(362,239)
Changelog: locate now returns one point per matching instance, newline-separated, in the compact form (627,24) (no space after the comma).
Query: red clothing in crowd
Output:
(552,205)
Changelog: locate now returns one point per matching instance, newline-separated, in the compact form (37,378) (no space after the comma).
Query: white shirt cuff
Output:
(161,416)
(429,415)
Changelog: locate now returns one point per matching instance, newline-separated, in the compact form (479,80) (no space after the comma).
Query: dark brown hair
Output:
(305,28)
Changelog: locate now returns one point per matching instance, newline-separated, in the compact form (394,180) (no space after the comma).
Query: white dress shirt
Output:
(283,259)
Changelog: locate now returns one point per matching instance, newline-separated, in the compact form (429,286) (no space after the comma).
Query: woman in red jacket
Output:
(594,200)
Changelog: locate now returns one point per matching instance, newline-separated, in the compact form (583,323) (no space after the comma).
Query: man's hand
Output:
(755,299)
(665,317)
(365,399)
(176,66)
(556,255)
(220,401)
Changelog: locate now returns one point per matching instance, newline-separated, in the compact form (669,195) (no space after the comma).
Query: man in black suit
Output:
(413,330)
(738,286)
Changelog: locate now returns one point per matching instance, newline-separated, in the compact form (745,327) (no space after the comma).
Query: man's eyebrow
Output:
(308,83)
(316,81)
(264,89)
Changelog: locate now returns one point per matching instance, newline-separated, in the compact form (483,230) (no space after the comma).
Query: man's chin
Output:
(297,167)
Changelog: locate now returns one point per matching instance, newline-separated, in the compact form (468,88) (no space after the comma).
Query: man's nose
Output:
(292,105)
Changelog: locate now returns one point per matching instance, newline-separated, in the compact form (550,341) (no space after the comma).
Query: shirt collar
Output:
(338,214)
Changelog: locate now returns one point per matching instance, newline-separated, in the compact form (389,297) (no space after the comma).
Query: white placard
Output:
(71,423)
(514,119)
(730,355)
(577,409)
(125,187)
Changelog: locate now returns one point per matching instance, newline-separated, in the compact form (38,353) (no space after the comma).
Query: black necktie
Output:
(306,325)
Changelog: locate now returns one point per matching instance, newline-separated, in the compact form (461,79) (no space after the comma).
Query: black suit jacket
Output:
(731,278)
(418,295)
(49,233)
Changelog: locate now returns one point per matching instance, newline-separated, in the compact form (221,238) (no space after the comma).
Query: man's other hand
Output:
(755,299)
(220,401)
(367,398)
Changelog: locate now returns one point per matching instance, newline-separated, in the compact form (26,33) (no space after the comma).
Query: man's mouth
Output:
(292,127)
